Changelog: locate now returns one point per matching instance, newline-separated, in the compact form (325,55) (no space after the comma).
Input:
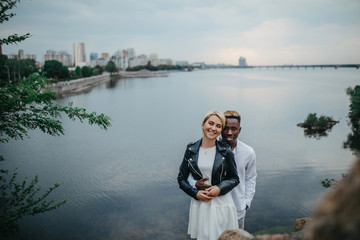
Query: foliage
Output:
(353,139)
(4,73)
(157,68)
(111,67)
(354,113)
(17,200)
(97,70)
(86,71)
(25,106)
(20,69)
(55,69)
(5,6)
(78,72)
(322,122)
(328,183)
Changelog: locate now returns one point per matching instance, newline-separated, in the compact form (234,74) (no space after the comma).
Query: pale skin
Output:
(211,130)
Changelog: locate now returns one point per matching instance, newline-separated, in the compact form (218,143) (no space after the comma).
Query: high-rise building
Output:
(21,54)
(79,54)
(93,56)
(93,59)
(61,56)
(105,55)
(242,62)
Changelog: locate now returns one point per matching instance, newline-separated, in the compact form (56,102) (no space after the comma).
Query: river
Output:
(121,183)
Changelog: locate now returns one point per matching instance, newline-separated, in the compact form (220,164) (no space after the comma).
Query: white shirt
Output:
(243,193)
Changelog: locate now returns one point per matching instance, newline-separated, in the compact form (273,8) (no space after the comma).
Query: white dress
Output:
(207,220)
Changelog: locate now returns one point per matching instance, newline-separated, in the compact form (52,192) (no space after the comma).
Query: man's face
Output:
(231,130)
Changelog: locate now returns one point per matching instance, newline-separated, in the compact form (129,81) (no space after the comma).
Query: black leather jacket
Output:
(224,173)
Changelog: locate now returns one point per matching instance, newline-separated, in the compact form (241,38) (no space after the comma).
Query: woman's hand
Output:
(213,191)
(204,196)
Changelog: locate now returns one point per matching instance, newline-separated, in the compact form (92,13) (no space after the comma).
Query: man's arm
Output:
(200,184)
(250,180)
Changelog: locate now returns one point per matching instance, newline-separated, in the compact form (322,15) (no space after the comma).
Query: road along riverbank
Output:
(83,85)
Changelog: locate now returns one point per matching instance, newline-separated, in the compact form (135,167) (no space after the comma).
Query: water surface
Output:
(121,183)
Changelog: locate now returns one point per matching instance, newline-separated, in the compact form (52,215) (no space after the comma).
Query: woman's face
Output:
(212,127)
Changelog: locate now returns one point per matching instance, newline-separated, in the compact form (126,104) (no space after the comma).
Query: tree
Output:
(86,71)
(353,139)
(55,69)
(97,70)
(110,67)
(4,69)
(25,105)
(19,69)
(5,6)
(77,72)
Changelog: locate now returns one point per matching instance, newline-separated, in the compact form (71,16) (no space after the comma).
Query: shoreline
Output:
(84,85)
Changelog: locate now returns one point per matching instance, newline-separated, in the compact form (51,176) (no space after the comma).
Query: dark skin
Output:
(229,135)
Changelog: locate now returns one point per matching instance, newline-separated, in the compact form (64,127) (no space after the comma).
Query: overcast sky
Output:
(212,31)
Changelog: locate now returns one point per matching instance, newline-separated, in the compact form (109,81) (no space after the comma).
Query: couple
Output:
(211,169)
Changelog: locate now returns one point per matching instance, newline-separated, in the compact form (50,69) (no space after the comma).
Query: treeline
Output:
(158,68)
(14,70)
(353,139)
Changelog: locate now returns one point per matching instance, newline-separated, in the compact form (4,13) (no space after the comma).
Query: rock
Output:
(273,237)
(337,215)
(235,234)
(300,223)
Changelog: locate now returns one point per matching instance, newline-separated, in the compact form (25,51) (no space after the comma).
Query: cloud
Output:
(280,32)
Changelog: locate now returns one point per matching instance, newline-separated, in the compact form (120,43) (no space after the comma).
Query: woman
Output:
(212,211)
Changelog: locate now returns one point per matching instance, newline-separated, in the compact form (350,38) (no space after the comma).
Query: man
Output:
(245,159)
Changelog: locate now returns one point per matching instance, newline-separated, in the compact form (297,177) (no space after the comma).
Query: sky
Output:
(265,32)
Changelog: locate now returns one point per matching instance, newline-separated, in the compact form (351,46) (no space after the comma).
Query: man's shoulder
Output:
(243,147)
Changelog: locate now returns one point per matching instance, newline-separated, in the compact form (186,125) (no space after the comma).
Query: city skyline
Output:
(276,33)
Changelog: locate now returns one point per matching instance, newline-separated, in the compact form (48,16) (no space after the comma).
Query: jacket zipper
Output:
(194,169)
(222,170)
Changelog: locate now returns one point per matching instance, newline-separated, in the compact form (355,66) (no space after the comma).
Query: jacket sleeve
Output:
(183,175)
(231,179)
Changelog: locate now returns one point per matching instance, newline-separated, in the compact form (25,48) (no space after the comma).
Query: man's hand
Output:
(201,185)
(203,196)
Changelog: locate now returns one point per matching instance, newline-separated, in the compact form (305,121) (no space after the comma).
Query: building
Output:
(105,55)
(93,59)
(242,62)
(61,56)
(123,58)
(79,54)
(21,54)
(182,63)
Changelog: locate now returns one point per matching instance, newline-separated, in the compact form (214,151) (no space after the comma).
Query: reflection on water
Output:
(121,183)
(316,133)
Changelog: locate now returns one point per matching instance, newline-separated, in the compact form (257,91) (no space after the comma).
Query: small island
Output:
(317,127)
(318,123)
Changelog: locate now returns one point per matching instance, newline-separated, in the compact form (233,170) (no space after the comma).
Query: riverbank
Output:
(83,85)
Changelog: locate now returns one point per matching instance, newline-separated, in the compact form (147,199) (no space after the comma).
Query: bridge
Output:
(321,66)
(336,66)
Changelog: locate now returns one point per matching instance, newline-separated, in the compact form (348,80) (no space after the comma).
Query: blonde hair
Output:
(216,113)
(232,114)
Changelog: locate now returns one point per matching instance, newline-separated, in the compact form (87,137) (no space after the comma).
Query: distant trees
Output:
(86,71)
(15,70)
(353,139)
(111,67)
(55,70)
